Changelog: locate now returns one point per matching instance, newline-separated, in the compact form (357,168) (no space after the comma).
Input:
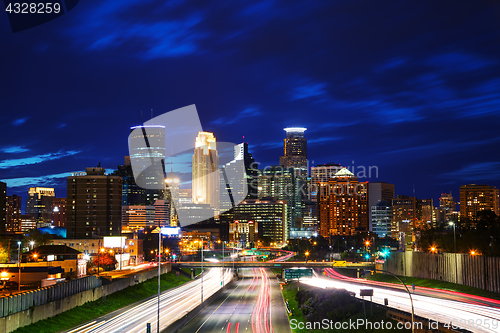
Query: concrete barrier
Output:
(50,301)
(474,271)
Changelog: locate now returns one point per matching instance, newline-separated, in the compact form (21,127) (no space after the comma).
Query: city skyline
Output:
(419,102)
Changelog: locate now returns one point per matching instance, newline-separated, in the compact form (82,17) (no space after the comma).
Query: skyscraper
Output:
(321,174)
(94,204)
(13,213)
(381,218)
(268,213)
(3,208)
(205,183)
(295,150)
(379,191)
(343,205)
(39,203)
(404,209)
(147,156)
(132,194)
(283,184)
(475,198)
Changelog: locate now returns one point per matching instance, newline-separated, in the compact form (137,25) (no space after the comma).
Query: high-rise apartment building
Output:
(321,174)
(39,203)
(3,206)
(295,150)
(269,214)
(475,198)
(205,182)
(94,206)
(379,191)
(13,213)
(404,209)
(147,156)
(447,202)
(343,205)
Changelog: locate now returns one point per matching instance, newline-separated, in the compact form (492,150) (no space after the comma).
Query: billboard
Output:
(114,241)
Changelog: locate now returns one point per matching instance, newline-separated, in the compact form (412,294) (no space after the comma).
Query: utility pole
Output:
(202,270)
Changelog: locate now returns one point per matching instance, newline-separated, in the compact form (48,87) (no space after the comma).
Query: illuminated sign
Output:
(114,241)
(170,231)
(50,257)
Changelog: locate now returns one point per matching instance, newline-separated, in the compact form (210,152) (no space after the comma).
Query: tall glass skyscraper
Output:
(147,157)
(205,184)
(295,150)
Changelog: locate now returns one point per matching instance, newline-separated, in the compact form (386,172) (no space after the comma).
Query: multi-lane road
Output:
(253,304)
(471,316)
(174,304)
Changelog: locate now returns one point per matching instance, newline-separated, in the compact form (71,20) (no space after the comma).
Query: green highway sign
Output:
(297,273)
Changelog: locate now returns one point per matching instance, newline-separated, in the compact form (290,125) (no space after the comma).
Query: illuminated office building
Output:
(404,210)
(147,156)
(205,182)
(269,214)
(381,220)
(39,203)
(295,150)
(378,191)
(475,198)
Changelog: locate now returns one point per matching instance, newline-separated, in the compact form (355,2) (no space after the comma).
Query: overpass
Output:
(274,264)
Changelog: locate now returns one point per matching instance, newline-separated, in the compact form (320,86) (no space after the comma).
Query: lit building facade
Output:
(381,220)
(321,174)
(13,213)
(475,198)
(94,206)
(269,214)
(404,209)
(147,156)
(295,150)
(136,218)
(3,207)
(59,212)
(343,205)
(243,233)
(205,182)
(378,191)
(39,203)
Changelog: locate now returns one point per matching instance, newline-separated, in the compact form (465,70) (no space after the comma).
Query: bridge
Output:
(277,264)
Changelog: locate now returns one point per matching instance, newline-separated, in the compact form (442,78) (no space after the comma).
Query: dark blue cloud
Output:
(370,81)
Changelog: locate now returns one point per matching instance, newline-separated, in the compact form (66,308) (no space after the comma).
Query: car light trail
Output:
(442,310)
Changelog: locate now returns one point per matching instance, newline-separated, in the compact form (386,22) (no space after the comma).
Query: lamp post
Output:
(307,255)
(202,270)
(409,294)
(223,263)
(455,245)
(19,259)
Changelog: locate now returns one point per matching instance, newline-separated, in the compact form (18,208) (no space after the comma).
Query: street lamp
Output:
(98,259)
(19,259)
(306,254)
(455,244)
(433,249)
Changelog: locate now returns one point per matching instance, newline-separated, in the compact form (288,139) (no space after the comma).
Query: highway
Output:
(174,305)
(467,316)
(424,291)
(253,304)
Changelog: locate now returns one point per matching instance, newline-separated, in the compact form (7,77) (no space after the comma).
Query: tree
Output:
(105,260)
(4,256)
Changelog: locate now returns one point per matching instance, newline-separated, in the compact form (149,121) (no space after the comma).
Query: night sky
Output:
(412,87)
